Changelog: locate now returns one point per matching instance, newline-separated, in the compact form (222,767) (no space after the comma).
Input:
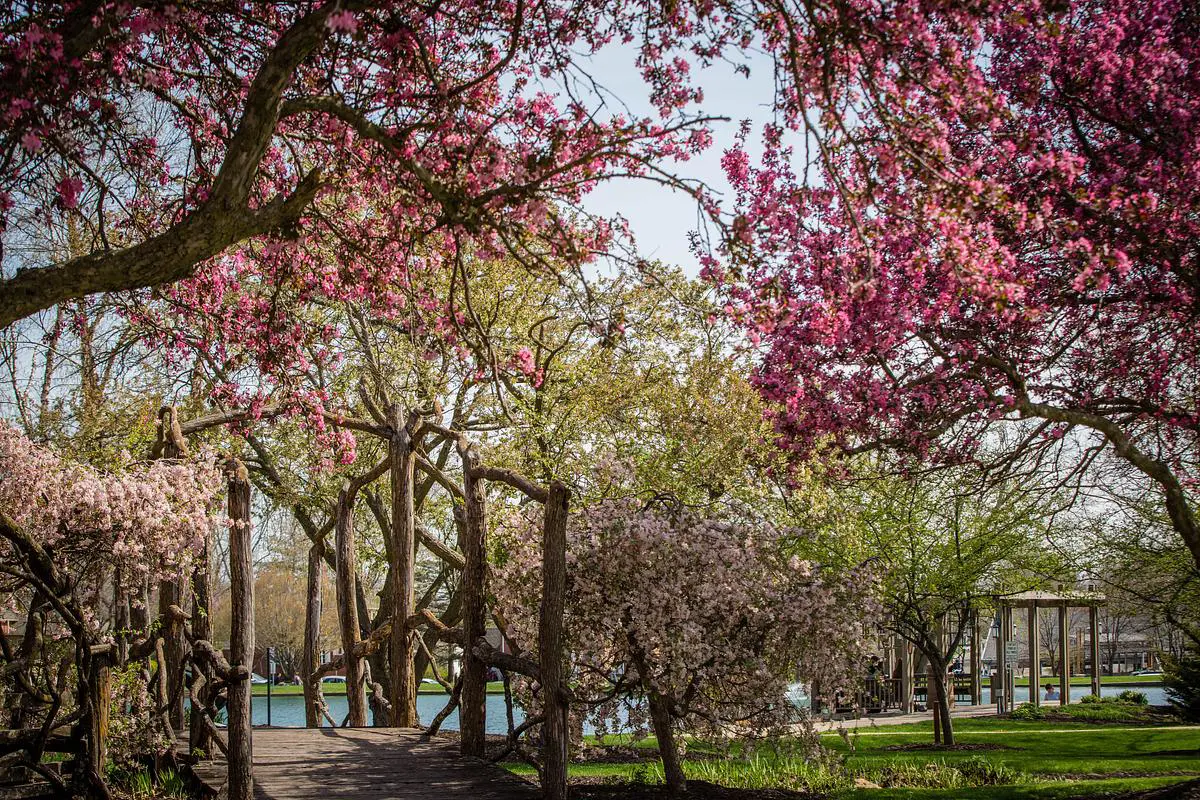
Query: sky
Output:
(661,218)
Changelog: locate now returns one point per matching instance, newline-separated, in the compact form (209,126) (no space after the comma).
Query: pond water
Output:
(1156,695)
(287,711)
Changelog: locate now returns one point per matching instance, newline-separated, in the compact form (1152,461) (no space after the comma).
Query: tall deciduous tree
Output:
(944,551)
(175,133)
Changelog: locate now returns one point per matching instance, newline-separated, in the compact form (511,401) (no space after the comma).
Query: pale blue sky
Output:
(660,218)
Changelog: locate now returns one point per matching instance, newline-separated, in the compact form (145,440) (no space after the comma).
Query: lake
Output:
(287,711)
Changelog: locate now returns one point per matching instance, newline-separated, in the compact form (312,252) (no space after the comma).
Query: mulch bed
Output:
(697,790)
(954,748)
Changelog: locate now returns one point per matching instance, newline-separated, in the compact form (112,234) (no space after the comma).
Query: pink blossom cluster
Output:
(719,614)
(997,218)
(149,520)
(438,134)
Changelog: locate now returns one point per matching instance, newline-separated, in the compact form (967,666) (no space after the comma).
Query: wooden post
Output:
(1064,651)
(403,684)
(199,737)
(550,648)
(241,635)
(1035,657)
(312,635)
(100,691)
(1094,620)
(347,566)
(171,591)
(976,661)
(121,618)
(473,698)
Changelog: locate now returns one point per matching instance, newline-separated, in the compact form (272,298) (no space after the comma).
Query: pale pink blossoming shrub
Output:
(148,520)
(717,612)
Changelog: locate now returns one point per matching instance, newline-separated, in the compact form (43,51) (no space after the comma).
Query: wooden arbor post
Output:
(312,634)
(347,566)
(172,445)
(550,649)
(1094,624)
(241,635)
(473,697)
(402,460)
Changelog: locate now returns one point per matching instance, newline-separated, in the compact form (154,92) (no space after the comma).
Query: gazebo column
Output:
(904,654)
(976,662)
(1035,657)
(1000,680)
(1094,619)
(1064,644)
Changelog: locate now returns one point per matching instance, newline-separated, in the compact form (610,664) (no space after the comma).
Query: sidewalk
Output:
(958,712)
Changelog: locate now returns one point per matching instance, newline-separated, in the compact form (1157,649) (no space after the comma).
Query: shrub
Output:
(759,772)
(1182,679)
(1088,699)
(1134,697)
(971,772)
(134,732)
(1028,712)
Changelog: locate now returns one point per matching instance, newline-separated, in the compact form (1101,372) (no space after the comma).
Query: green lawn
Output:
(1040,760)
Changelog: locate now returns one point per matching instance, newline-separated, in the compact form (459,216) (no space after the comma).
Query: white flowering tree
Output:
(675,621)
(68,534)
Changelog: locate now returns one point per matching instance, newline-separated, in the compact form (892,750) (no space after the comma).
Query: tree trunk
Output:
(348,607)
(312,636)
(403,644)
(241,636)
(664,731)
(473,700)
(550,648)
(941,706)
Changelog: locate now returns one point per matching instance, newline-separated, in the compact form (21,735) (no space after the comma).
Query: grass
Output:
(1035,760)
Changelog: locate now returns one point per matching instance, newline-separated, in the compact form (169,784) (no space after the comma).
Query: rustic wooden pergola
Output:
(1033,601)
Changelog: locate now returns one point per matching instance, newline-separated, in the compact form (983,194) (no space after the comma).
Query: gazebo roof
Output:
(1043,599)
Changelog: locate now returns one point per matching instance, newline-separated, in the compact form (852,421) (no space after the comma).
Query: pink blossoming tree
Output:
(995,221)
(68,534)
(705,621)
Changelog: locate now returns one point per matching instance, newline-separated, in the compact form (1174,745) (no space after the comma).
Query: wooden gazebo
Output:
(1034,601)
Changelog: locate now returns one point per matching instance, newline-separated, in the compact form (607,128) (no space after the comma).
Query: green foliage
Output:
(1182,679)
(141,783)
(1028,712)
(938,774)
(1129,706)
(134,732)
(763,772)
(1133,697)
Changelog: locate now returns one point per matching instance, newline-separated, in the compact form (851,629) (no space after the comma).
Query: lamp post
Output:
(270,680)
